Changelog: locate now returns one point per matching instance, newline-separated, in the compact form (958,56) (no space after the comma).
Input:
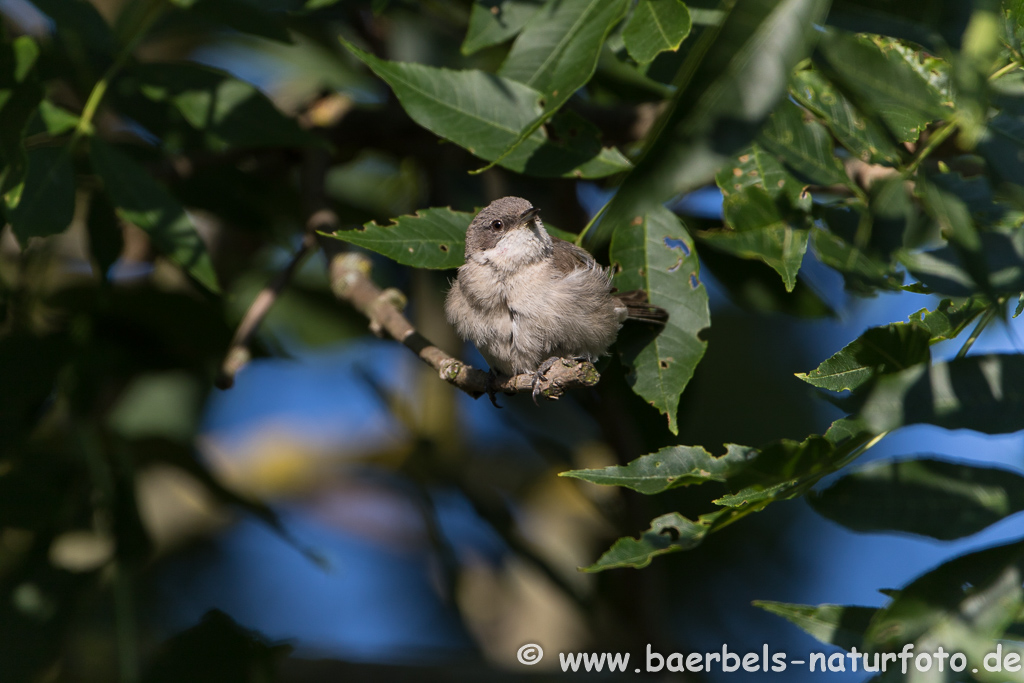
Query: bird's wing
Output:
(568,257)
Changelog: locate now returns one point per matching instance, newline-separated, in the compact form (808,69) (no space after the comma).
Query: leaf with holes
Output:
(667,469)
(494,21)
(758,229)
(755,167)
(656,26)
(485,113)
(433,238)
(668,534)
(141,200)
(657,256)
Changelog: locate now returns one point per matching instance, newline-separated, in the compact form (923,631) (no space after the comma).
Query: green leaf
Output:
(884,83)
(146,203)
(233,113)
(862,273)
(983,393)
(106,240)
(965,604)
(946,270)
(757,229)
(656,26)
(433,238)
(949,318)
(244,17)
(20,95)
(668,533)
(494,21)
(667,469)
(879,351)
(658,257)
(1002,145)
(81,20)
(841,625)
(56,119)
(865,139)
(47,204)
(755,167)
(731,80)
(557,53)
(942,500)
(1020,305)
(485,113)
(804,145)
(158,405)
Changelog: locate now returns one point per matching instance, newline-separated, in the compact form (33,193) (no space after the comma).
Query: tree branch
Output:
(349,274)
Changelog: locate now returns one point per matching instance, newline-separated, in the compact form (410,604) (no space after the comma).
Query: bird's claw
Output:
(538,376)
(491,391)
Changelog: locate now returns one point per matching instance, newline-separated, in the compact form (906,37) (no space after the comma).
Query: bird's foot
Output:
(492,393)
(538,376)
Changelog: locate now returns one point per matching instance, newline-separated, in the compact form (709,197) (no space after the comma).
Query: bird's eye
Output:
(496,225)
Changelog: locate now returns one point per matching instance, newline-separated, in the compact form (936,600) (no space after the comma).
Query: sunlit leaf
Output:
(494,21)
(668,533)
(485,113)
(658,257)
(433,238)
(667,469)
(557,51)
(656,26)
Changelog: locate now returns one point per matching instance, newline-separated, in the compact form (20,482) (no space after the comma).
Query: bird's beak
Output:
(528,215)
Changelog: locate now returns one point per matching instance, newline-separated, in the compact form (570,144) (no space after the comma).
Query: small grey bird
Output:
(526,298)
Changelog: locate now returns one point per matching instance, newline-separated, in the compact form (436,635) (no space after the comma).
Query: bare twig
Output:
(238,354)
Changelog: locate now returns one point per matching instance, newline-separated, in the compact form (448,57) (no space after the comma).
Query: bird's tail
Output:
(639,308)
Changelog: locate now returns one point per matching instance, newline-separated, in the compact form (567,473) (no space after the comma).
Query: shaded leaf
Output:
(728,85)
(942,500)
(866,139)
(20,95)
(884,83)
(804,145)
(656,26)
(862,273)
(841,625)
(983,393)
(47,203)
(232,112)
(494,21)
(964,604)
(106,240)
(80,19)
(945,270)
(759,230)
(755,167)
(485,113)
(879,351)
(557,51)
(146,203)
(433,238)
(244,17)
(658,257)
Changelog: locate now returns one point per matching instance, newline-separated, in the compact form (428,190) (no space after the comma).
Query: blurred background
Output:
(340,513)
